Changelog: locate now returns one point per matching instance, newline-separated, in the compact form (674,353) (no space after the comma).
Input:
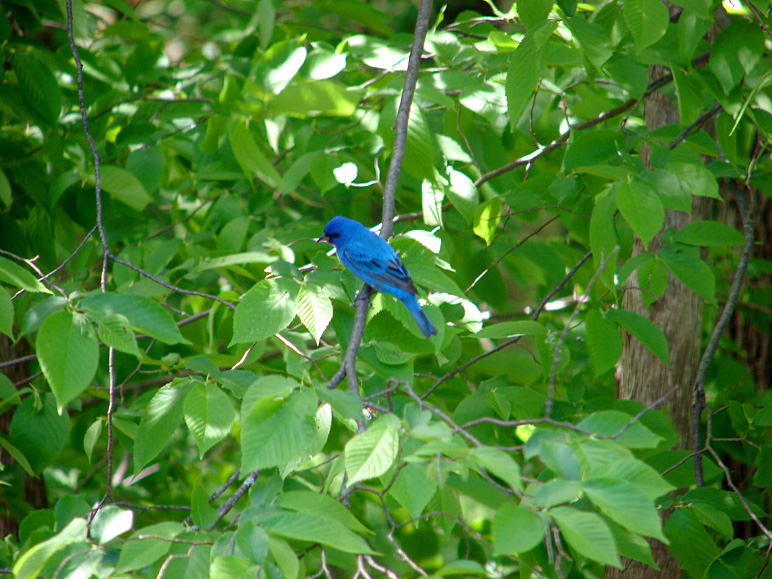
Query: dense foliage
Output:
(172,325)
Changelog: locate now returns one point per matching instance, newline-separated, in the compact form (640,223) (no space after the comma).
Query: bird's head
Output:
(338,230)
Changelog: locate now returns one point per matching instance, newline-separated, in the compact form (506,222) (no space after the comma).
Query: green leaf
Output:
(420,148)
(690,543)
(6,197)
(689,92)
(160,420)
(252,541)
(115,331)
(39,434)
(516,529)
(137,554)
(631,545)
(710,234)
(590,149)
(323,530)
(432,197)
(19,277)
(763,476)
(735,53)
(38,86)
(111,522)
(603,342)
(511,329)
(637,473)
(695,179)
(31,562)
(587,534)
(611,422)
(556,491)
(314,309)
(646,331)
(622,502)
(68,353)
(6,313)
(285,557)
(277,438)
(125,187)
(500,464)
(360,12)
(531,12)
(462,567)
(201,512)
(413,489)
(462,194)
(591,39)
(487,218)
(250,158)
(714,518)
(642,209)
(321,98)
(603,233)
(231,567)
(669,189)
(145,315)
(280,64)
(209,415)
(17,455)
(690,270)
(322,506)
(526,66)
(92,437)
(345,403)
(371,454)
(266,19)
(647,21)
(265,310)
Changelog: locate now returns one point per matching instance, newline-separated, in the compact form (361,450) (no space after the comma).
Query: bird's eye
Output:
(332,235)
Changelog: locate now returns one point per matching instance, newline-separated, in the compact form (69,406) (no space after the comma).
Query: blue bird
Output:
(372,259)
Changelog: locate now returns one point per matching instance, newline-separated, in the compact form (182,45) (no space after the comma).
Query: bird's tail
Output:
(424,324)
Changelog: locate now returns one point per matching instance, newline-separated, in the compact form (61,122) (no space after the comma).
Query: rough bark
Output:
(641,376)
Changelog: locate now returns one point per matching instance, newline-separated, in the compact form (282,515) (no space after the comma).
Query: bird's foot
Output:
(363,295)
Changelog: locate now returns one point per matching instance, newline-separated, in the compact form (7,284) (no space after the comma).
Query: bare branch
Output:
(403,114)
(240,492)
(695,126)
(537,312)
(556,356)
(726,315)
(392,178)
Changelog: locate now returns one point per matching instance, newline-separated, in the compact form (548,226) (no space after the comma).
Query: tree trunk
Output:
(641,376)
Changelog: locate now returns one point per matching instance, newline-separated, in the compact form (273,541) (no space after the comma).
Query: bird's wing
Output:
(377,267)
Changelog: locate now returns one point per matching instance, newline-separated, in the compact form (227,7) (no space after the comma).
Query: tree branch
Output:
(389,194)
(710,350)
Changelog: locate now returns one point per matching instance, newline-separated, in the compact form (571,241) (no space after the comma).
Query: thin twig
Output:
(710,350)
(695,126)
(231,502)
(507,252)
(537,312)
(556,356)
(403,114)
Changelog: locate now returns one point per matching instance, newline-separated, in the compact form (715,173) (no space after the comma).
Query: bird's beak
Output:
(323,238)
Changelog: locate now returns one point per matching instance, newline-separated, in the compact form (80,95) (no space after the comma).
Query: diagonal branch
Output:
(710,350)
(347,367)
(601,118)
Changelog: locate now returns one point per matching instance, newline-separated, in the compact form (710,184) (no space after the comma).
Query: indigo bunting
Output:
(371,259)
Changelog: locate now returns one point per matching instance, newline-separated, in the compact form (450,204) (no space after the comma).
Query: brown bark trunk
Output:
(641,376)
